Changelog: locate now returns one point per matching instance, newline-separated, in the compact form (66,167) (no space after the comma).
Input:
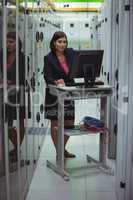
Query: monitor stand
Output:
(90,85)
(89,75)
(87,85)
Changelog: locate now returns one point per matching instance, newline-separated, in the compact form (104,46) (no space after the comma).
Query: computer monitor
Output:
(87,65)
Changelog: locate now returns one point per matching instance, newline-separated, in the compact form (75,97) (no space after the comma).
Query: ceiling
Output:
(67,5)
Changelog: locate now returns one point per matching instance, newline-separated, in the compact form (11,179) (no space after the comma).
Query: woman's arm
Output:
(22,69)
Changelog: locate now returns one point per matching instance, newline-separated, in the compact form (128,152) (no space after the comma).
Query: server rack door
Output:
(129,150)
(122,137)
(114,79)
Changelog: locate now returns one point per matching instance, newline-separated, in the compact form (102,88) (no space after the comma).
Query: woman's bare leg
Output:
(54,125)
(68,124)
(13,133)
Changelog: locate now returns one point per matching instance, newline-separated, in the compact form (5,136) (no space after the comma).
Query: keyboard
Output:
(69,84)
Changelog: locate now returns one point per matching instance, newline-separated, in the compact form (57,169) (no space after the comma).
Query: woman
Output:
(57,66)
(11,90)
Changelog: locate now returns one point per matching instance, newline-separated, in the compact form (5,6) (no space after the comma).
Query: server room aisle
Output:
(85,183)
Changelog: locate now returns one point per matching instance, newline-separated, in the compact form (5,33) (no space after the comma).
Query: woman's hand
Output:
(10,82)
(59,82)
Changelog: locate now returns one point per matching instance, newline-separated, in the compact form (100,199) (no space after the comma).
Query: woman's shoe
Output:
(68,155)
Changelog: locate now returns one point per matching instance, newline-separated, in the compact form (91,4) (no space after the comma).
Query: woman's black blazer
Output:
(53,71)
(11,75)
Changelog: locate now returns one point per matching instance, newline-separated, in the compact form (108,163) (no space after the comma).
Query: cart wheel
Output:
(66,178)
(88,160)
(47,163)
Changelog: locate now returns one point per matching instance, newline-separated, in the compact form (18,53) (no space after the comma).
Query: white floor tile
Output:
(97,181)
(101,196)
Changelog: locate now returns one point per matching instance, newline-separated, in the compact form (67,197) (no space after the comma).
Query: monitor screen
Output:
(87,65)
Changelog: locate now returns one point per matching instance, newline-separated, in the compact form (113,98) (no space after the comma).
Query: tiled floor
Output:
(85,183)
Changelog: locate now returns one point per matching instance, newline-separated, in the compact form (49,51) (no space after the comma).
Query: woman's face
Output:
(11,44)
(60,44)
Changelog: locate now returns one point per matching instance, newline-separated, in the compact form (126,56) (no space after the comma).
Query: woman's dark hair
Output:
(56,36)
(12,35)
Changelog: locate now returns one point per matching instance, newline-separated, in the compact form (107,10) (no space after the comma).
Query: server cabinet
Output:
(129,145)
(106,39)
(19,151)
(81,33)
(71,28)
(11,134)
(124,137)
(113,78)
(108,29)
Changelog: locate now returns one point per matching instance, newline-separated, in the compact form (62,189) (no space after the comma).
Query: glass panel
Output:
(11,103)
(3,167)
(2,147)
(22,67)
(16,114)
